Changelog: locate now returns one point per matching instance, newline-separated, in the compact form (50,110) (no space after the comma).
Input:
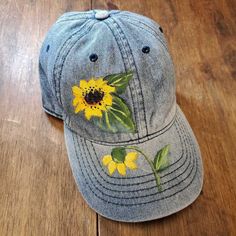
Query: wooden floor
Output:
(38,195)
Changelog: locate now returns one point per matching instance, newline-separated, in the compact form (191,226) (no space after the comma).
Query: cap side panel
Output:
(54,41)
(145,22)
(61,57)
(156,72)
(49,102)
(151,30)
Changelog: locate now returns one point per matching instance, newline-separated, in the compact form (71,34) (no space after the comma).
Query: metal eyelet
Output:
(146,49)
(48,47)
(93,57)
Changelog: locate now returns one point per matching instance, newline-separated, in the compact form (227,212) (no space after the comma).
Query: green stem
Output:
(157,177)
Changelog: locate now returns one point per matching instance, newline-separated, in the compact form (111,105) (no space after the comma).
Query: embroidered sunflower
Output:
(119,160)
(92,97)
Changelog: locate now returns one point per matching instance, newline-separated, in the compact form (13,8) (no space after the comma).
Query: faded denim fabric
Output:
(118,41)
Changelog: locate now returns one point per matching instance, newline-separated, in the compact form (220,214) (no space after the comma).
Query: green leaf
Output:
(160,160)
(118,154)
(119,81)
(117,118)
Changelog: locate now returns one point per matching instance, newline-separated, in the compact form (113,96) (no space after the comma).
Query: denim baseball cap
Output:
(109,76)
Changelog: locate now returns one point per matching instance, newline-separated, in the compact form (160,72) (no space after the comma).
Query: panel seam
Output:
(120,44)
(138,89)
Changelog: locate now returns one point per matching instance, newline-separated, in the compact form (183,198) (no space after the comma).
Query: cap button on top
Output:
(101,15)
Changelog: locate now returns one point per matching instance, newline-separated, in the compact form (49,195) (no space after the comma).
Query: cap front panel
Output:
(154,71)
(113,46)
(93,57)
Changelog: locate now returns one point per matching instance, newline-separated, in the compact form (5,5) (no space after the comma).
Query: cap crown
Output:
(119,42)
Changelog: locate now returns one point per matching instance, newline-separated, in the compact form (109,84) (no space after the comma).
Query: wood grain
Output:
(38,193)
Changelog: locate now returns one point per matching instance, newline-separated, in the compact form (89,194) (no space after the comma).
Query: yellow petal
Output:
(77,91)
(130,160)
(88,113)
(106,159)
(76,100)
(91,83)
(80,107)
(108,89)
(100,82)
(131,156)
(121,168)
(107,99)
(97,112)
(131,164)
(112,167)
(83,84)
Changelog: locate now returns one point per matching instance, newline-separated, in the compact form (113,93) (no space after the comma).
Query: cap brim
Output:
(135,197)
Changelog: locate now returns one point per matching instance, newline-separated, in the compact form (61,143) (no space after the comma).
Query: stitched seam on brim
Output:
(138,183)
(112,177)
(143,202)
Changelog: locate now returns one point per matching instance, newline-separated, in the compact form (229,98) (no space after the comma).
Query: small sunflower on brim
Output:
(92,97)
(120,160)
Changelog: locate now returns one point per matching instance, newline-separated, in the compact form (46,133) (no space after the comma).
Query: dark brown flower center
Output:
(94,97)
